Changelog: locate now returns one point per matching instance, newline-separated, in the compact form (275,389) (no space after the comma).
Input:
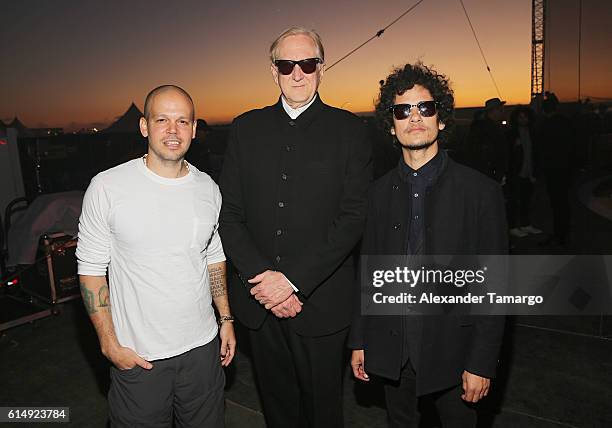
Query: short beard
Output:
(421,146)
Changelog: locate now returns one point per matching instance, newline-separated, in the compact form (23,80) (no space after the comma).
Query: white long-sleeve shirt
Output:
(156,236)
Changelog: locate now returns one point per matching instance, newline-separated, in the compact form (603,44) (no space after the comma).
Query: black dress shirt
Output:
(418,182)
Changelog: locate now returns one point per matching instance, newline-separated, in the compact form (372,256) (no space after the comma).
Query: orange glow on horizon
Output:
(88,76)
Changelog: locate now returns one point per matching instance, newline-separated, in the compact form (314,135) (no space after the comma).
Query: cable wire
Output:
(480,48)
(378,34)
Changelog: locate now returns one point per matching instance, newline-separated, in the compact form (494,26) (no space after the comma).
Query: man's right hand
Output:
(124,358)
(289,308)
(357,364)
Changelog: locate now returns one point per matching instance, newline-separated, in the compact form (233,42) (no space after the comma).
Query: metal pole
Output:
(579,46)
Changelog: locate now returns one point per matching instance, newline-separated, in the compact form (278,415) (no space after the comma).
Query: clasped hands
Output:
(272,289)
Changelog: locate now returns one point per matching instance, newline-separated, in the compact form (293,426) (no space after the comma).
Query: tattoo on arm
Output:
(88,299)
(103,297)
(217,281)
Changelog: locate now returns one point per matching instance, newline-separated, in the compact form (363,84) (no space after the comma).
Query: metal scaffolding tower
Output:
(538,14)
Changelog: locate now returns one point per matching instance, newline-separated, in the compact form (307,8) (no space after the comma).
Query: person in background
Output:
(521,172)
(556,141)
(488,143)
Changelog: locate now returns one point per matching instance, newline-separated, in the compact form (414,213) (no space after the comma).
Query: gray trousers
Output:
(187,388)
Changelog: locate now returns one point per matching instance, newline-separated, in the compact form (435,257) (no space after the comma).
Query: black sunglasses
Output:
(308,65)
(425,108)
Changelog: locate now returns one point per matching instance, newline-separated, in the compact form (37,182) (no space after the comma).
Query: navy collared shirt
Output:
(418,181)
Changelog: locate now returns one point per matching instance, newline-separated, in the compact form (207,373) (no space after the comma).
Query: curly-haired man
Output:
(428,205)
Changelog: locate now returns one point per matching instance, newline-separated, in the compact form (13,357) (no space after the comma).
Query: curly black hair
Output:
(404,78)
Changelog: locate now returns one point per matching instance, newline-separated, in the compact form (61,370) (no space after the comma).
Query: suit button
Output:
(281,204)
(291,123)
(288,148)
(393,333)
(284,176)
(395,187)
(279,232)
(397,226)
(278,259)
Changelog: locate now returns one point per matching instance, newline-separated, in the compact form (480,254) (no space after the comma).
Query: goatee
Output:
(420,146)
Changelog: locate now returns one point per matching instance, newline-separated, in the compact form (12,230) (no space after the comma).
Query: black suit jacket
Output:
(489,148)
(464,214)
(294,200)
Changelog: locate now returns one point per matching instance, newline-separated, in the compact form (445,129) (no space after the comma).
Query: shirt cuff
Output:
(291,284)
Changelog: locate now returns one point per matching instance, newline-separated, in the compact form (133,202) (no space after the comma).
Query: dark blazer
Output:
(515,154)
(464,214)
(294,200)
(488,148)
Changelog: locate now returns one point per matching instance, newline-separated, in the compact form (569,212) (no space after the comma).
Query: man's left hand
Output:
(271,288)
(290,308)
(228,343)
(474,387)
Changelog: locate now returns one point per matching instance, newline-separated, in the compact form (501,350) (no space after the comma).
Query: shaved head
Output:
(161,89)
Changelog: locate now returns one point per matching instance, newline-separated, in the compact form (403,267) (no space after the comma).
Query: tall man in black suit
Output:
(428,205)
(294,186)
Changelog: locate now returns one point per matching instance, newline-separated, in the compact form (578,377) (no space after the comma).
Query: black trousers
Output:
(402,403)
(558,182)
(299,377)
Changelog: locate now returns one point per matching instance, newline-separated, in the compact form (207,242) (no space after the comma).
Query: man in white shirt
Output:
(152,222)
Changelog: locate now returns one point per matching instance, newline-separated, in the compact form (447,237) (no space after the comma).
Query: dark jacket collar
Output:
(307,115)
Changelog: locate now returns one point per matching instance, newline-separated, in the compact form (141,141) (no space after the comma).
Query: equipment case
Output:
(53,278)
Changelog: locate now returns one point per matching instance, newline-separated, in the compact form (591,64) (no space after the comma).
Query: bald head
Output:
(162,89)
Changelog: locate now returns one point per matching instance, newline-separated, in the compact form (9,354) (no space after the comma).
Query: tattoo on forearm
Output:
(217,281)
(88,299)
(103,296)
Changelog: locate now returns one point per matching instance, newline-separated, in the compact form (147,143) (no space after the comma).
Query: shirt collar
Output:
(429,171)
(295,112)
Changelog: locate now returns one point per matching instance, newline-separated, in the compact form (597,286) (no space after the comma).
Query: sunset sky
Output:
(73,63)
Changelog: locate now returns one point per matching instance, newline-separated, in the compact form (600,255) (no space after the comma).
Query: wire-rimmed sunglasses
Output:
(308,65)
(425,109)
